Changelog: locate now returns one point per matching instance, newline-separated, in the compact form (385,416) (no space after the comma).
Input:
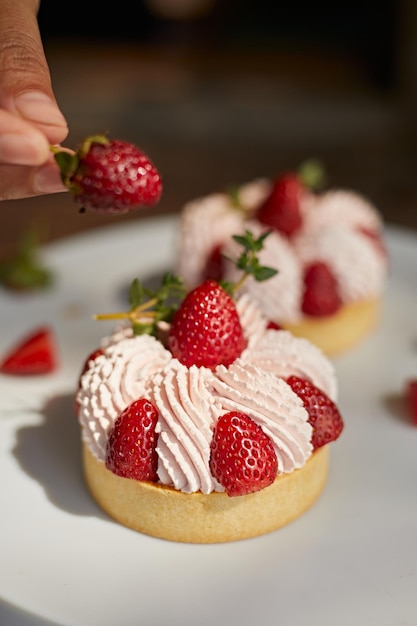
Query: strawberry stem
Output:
(312,174)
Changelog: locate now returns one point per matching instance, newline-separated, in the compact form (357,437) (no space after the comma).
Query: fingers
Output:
(38,108)
(21,143)
(30,119)
(25,82)
(25,181)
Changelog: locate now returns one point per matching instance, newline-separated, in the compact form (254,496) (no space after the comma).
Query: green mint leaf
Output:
(136,294)
(264,273)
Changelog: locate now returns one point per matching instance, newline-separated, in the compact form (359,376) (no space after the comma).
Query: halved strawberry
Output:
(131,446)
(281,210)
(35,354)
(90,360)
(324,416)
(242,457)
(321,292)
(376,238)
(273,326)
(206,329)
(214,268)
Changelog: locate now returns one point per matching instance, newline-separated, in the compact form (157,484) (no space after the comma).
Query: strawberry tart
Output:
(328,248)
(200,423)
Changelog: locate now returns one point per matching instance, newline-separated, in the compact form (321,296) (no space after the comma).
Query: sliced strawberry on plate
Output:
(411,396)
(35,354)
(242,457)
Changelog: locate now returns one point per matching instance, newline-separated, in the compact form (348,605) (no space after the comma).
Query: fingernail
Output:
(47,179)
(18,149)
(38,107)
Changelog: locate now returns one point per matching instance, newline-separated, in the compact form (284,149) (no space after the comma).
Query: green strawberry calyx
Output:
(312,174)
(68,161)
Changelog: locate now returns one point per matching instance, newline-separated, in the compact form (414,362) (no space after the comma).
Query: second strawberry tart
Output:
(328,247)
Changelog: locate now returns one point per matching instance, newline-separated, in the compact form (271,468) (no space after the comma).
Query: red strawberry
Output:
(91,357)
(324,415)
(215,264)
(110,176)
(242,456)
(411,396)
(87,364)
(273,326)
(376,238)
(281,210)
(321,292)
(35,354)
(206,330)
(131,446)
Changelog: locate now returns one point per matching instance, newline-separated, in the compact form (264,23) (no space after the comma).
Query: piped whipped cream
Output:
(190,400)
(280,297)
(208,222)
(333,231)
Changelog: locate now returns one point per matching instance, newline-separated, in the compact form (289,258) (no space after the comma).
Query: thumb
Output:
(25,82)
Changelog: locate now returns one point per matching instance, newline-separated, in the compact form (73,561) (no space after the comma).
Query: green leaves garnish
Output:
(248,261)
(162,302)
(149,307)
(23,270)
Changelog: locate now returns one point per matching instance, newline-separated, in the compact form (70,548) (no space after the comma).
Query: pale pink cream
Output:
(332,231)
(190,400)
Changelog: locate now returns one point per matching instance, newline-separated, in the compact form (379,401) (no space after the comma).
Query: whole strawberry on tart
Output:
(200,422)
(327,243)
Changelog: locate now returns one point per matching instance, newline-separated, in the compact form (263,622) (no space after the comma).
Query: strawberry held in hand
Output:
(109,176)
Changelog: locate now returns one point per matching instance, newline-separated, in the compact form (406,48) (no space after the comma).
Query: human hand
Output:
(30,120)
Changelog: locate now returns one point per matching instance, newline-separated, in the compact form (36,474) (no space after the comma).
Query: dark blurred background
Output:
(220,92)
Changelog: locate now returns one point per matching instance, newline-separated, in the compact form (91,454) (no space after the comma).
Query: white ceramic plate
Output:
(351,560)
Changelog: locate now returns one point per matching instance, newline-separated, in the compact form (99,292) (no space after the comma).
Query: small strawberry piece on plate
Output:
(35,354)
(242,456)
(411,395)
(131,447)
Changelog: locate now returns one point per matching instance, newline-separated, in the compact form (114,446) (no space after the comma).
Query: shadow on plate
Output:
(50,453)
(10,615)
